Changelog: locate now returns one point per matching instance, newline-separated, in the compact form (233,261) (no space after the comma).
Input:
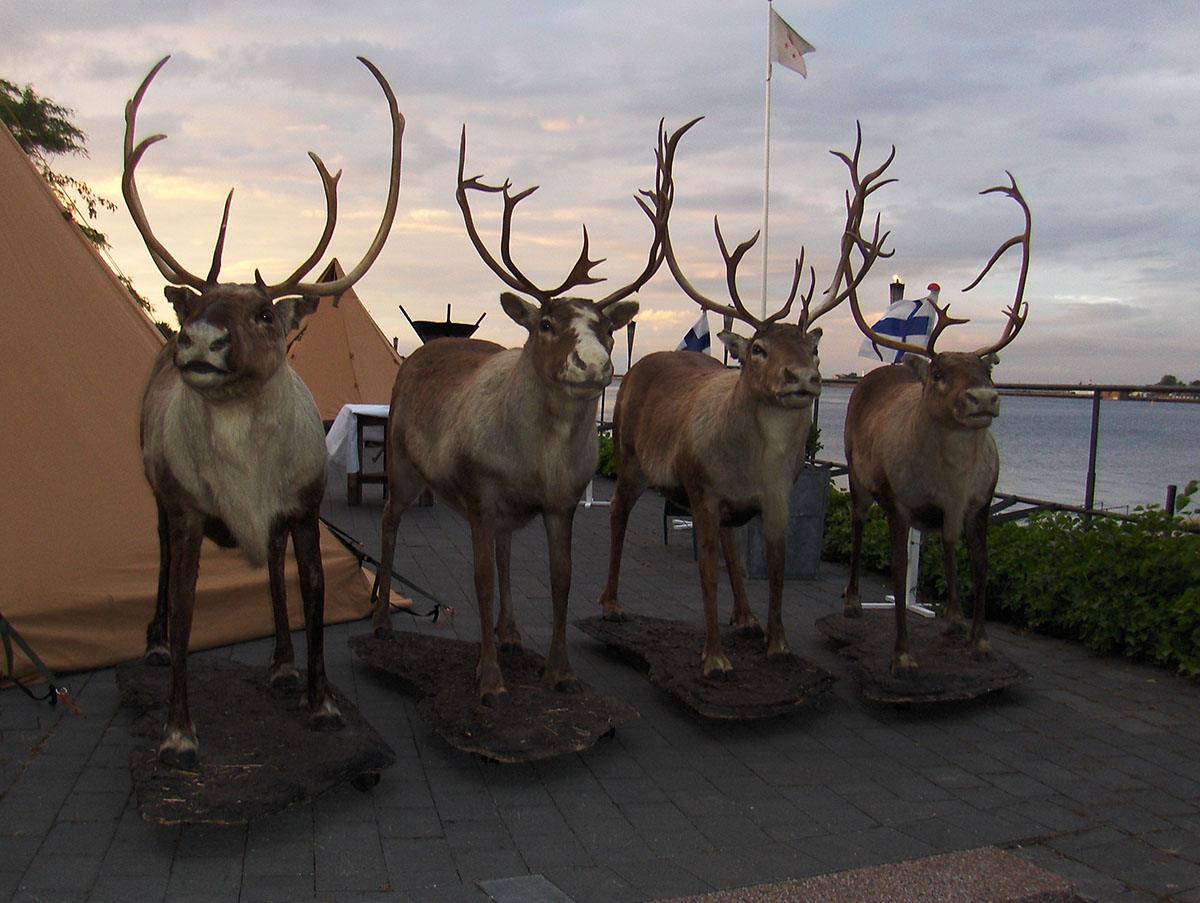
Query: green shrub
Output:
(607,465)
(1129,587)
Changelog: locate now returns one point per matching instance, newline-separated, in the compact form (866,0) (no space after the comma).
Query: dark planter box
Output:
(805,529)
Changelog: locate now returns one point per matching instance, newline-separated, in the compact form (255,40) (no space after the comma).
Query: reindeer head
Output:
(232,336)
(957,387)
(570,339)
(779,362)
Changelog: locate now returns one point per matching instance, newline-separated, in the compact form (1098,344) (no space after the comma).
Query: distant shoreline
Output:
(1134,395)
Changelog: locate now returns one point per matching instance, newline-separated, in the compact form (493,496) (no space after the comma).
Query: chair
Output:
(372,449)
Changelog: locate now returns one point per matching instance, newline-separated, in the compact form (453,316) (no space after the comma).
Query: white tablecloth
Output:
(341,442)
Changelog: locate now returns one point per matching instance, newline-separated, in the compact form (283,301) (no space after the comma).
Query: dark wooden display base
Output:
(527,724)
(257,752)
(670,652)
(946,670)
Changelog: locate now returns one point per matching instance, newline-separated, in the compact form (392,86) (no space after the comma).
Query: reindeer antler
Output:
(174,273)
(1019,311)
(580,273)
(851,239)
(512,276)
(658,216)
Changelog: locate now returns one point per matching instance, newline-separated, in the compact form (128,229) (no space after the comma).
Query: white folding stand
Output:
(589,499)
(910,582)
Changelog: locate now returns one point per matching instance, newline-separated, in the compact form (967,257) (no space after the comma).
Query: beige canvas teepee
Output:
(342,355)
(78,541)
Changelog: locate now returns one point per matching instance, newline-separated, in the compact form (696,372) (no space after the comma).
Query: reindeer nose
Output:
(220,344)
(985,401)
(185,340)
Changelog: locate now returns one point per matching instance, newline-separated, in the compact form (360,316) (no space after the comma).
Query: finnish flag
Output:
(905,321)
(697,338)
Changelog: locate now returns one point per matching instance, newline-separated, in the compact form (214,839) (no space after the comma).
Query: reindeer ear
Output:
(991,360)
(292,311)
(739,346)
(621,313)
(815,335)
(182,299)
(524,312)
(918,365)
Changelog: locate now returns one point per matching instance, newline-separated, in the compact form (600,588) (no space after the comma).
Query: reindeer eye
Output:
(547,325)
(757,350)
(265,315)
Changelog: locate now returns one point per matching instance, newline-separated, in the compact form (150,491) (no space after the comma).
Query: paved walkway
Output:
(1091,770)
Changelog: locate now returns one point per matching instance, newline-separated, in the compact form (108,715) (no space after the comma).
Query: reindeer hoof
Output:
(490,699)
(326,717)
(954,630)
(159,656)
(747,628)
(614,613)
(178,750)
(904,666)
(285,677)
(510,640)
(718,667)
(563,683)
(983,652)
(782,651)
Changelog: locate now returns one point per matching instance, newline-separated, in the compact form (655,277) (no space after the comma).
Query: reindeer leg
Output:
(506,623)
(323,714)
(283,663)
(483,541)
(859,503)
(774,528)
(902,662)
(742,618)
(977,530)
(156,630)
(954,615)
(558,673)
(404,484)
(179,748)
(625,494)
(706,523)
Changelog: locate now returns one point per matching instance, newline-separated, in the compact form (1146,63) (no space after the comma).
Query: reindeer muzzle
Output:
(982,406)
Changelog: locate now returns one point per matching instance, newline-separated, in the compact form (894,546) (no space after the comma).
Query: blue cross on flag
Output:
(905,321)
(697,338)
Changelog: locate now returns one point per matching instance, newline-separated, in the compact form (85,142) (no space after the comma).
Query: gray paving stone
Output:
(594,884)
(349,857)
(123,889)
(54,874)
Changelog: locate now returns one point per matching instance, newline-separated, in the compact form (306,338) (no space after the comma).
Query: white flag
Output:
(787,47)
(904,321)
(697,338)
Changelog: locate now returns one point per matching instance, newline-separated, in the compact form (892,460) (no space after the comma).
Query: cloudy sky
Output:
(1093,105)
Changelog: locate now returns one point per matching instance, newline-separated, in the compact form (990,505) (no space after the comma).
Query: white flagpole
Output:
(766,164)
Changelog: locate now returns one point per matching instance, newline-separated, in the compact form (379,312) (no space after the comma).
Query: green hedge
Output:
(1129,587)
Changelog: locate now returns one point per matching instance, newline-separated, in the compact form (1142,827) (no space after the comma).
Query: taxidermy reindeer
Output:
(232,443)
(504,434)
(917,442)
(730,444)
